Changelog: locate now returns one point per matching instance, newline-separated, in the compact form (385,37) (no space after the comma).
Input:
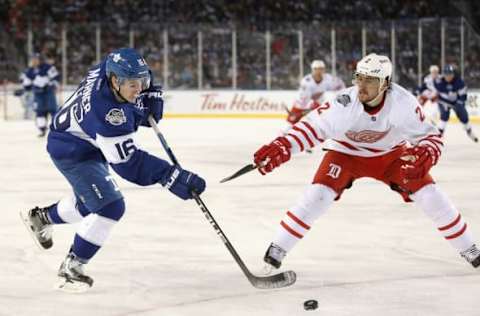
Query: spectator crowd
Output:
(91,26)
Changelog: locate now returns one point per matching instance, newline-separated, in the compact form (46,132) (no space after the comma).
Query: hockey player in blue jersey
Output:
(42,78)
(94,128)
(452,95)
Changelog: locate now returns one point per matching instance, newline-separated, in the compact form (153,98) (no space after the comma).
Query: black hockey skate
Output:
(472,136)
(38,224)
(274,256)
(472,255)
(72,277)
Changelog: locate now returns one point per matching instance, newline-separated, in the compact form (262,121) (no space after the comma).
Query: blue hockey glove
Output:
(152,100)
(182,182)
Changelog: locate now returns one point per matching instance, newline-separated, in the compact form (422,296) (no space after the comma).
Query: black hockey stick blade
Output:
(275,281)
(240,172)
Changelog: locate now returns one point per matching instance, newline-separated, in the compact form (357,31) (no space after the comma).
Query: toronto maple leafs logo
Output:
(117,57)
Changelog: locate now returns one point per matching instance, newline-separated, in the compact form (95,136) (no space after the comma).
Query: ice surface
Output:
(370,254)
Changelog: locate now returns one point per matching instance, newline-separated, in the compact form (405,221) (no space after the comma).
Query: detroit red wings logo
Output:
(366,136)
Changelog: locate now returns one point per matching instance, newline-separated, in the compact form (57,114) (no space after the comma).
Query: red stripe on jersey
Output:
(434,140)
(399,145)
(433,146)
(455,222)
(346,144)
(298,129)
(373,150)
(297,220)
(291,231)
(297,140)
(312,130)
(458,233)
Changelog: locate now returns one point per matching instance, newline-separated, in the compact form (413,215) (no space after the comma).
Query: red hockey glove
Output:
(272,155)
(295,115)
(418,161)
(314,105)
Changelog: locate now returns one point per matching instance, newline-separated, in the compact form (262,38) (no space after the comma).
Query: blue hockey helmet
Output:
(128,64)
(449,69)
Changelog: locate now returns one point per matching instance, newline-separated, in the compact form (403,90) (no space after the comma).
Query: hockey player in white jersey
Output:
(94,129)
(376,129)
(311,92)
(427,92)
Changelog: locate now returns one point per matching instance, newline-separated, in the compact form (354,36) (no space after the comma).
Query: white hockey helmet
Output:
(434,68)
(317,64)
(377,66)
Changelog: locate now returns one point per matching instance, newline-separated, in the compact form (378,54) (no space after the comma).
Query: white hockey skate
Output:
(39,226)
(472,255)
(72,278)
(273,257)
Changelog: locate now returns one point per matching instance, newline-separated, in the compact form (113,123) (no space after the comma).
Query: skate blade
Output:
(267,269)
(71,286)
(26,222)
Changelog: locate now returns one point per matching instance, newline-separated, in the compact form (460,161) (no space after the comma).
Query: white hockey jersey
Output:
(428,89)
(350,129)
(312,91)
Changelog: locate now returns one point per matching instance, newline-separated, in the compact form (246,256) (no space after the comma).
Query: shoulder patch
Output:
(116,117)
(343,99)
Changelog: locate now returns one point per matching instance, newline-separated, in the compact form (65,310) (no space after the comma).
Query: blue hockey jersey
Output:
(92,124)
(43,78)
(451,94)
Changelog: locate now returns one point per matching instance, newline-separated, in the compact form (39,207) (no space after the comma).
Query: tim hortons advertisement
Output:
(215,103)
(228,103)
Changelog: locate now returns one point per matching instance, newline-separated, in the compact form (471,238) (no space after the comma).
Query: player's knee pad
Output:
(316,199)
(435,204)
(113,211)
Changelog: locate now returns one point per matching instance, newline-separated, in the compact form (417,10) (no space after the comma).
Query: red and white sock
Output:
(446,217)
(316,199)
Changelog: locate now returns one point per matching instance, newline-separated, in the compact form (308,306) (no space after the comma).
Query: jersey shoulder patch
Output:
(343,99)
(116,117)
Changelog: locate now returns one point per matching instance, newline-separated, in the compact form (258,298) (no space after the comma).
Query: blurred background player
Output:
(452,95)
(427,91)
(96,128)
(312,91)
(378,130)
(42,79)
(427,94)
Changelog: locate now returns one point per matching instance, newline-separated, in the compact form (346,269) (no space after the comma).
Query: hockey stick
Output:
(240,172)
(268,282)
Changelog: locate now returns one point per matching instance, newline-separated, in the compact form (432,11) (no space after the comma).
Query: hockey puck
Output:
(310,305)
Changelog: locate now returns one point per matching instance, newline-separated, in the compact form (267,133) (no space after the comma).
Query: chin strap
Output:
(376,101)
(117,92)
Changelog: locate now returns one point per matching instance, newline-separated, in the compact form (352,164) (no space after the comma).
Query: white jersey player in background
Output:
(427,95)
(312,91)
(377,130)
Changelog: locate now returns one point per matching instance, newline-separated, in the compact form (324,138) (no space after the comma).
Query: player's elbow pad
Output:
(142,168)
